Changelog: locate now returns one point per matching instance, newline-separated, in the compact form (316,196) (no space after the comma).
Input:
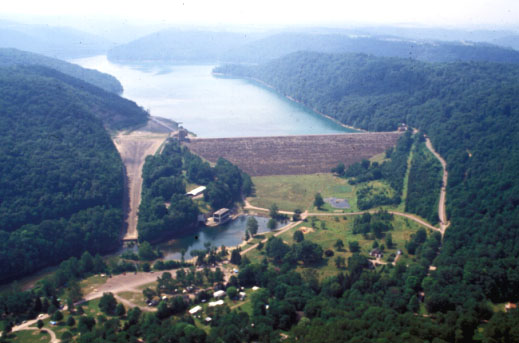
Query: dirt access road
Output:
(442,214)
(133,147)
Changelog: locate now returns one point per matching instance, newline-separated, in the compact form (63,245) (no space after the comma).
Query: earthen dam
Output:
(293,155)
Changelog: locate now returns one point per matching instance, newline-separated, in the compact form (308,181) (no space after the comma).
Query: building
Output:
(221,216)
(219,294)
(195,309)
(196,191)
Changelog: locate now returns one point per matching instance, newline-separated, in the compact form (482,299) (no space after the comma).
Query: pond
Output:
(230,234)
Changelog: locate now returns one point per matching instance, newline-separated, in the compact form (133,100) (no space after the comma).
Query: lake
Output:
(210,106)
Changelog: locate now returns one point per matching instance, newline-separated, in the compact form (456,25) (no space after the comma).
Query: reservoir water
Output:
(210,106)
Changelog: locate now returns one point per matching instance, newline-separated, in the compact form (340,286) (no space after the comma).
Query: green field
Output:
(29,336)
(297,191)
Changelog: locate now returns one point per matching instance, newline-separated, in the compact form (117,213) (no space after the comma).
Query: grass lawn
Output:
(297,191)
(29,336)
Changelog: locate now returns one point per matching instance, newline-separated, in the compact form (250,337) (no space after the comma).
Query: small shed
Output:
(196,191)
(216,303)
(195,309)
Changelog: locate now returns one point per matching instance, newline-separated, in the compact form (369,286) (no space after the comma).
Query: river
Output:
(210,106)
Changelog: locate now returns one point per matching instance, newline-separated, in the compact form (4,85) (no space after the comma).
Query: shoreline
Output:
(316,111)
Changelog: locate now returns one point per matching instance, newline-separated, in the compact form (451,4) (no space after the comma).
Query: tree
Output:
(236,257)
(271,224)
(252,226)
(146,252)
(339,169)
(247,235)
(57,316)
(85,324)
(298,236)
(71,321)
(232,292)
(120,310)
(107,303)
(318,200)
(274,211)
(354,246)
(339,245)
(297,215)
(340,262)
(40,324)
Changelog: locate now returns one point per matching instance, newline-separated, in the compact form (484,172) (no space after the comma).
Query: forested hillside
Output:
(61,182)
(470,111)
(13,57)
(164,182)
(279,45)
(207,46)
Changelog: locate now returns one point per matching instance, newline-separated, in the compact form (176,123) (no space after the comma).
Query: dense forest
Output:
(425,180)
(61,182)
(14,57)
(164,182)
(470,111)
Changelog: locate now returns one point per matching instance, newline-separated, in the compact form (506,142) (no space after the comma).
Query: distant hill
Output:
(432,51)
(61,183)
(174,45)
(59,42)
(211,47)
(12,57)
(471,113)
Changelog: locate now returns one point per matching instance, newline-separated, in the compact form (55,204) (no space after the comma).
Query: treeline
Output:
(14,57)
(62,179)
(164,182)
(393,171)
(424,184)
(470,111)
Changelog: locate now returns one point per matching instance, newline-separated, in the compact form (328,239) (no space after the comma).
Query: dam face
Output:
(294,155)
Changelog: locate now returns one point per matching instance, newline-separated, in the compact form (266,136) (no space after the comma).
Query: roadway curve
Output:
(27,326)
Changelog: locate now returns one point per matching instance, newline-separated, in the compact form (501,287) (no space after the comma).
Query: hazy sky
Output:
(484,13)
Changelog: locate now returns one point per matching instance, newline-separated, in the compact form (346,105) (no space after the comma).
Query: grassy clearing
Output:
(379,158)
(133,297)
(93,282)
(30,336)
(297,191)
(341,227)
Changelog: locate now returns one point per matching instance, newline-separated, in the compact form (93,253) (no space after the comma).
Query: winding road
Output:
(442,214)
